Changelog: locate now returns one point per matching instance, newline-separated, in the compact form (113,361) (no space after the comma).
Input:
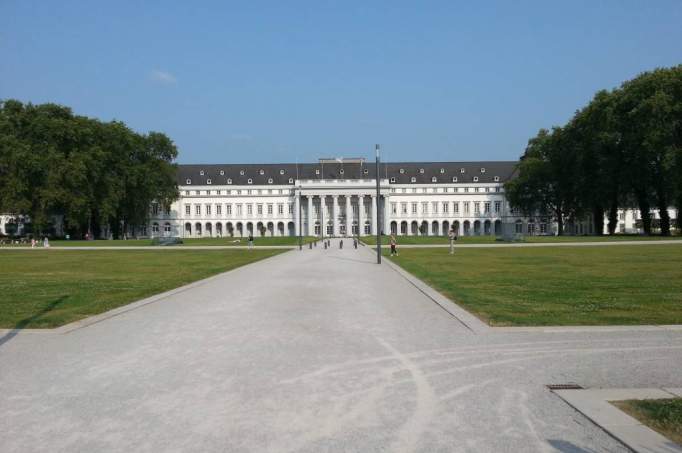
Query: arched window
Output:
(482,170)
(241,172)
(434,179)
(496,179)
(442,171)
(201,173)
(261,172)
(402,171)
(461,170)
(281,172)
(229,180)
(269,180)
(222,172)
(188,181)
(421,171)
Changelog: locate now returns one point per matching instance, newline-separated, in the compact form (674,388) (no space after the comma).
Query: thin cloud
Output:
(163,77)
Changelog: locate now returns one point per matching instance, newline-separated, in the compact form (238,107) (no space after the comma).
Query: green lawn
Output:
(557,286)
(49,288)
(410,240)
(283,240)
(662,415)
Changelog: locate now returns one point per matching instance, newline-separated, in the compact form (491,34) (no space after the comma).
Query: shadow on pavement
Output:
(568,447)
(26,321)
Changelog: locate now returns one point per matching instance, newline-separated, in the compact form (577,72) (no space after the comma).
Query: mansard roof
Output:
(403,172)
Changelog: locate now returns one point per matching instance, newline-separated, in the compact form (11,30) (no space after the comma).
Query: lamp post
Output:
(378,207)
(300,225)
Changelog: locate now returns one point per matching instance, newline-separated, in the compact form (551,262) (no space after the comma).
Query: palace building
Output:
(338,197)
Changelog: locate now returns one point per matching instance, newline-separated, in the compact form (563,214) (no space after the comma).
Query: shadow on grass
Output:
(27,321)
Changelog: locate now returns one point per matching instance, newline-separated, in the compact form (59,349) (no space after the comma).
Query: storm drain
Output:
(564,387)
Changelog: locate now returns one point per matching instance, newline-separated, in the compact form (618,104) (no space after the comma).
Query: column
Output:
(374,215)
(297,205)
(335,215)
(323,205)
(349,217)
(387,216)
(311,222)
(361,215)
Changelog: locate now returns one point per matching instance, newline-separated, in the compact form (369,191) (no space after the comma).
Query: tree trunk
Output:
(644,207)
(613,217)
(665,221)
(598,220)
(560,222)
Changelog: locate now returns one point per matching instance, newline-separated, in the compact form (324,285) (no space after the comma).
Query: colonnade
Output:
(344,217)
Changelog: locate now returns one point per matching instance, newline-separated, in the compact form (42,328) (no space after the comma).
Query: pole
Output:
(300,226)
(378,207)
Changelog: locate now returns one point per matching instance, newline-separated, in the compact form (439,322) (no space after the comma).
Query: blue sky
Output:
(285,81)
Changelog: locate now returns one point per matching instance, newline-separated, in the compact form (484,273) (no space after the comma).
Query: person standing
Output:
(452,235)
(392,241)
(250,241)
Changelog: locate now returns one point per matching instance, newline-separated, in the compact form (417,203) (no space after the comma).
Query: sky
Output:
(248,82)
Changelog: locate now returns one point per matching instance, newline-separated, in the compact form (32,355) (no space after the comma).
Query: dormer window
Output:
(222,172)
(454,179)
(496,179)
(402,171)
(269,180)
(249,181)
(392,179)
(208,181)
(482,170)
(229,181)
(291,180)
(461,170)
(317,171)
(421,171)
(341,171)
(434,179)
(201,173)
(188,181)
(475,178)
(442,171)
(413,179)
(281,172)
(241,172)
(365,171)
(261,172)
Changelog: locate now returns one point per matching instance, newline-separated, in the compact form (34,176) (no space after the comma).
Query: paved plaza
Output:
(314,351)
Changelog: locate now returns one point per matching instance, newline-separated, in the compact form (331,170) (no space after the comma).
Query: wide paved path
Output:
(313,351)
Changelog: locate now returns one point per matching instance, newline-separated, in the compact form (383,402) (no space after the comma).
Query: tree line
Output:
(88,173)
(623,149)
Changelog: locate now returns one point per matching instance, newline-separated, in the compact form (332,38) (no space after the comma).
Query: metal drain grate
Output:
(564,387)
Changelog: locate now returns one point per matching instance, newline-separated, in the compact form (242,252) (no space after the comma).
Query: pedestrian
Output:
(46,242)
(33,243)
(392,241)
(452,235)
(355,243)
(250,241)
(341,244)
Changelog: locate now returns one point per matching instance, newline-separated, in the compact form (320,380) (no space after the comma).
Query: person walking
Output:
(250,241)
(392,241)
(341,244)
(452,235)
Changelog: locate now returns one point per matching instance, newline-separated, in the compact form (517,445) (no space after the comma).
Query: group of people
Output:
(452,237)
(34,243)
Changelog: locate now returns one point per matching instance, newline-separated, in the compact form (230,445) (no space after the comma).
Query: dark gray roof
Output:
(442,171)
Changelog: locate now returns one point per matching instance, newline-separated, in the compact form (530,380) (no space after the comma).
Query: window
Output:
(497,189)
(341,171)
(197,193)
(466,207)
(249,209)
(446,207)
(197,209)
(201,173)
(155,209)
(317,171)
(413,179)
(475,178)
(421,171)
(239,210)
(228,209)
(424,189)
(261,172)
(402,171)
(208,181)
(155,227)
(218,209)
(229,181)
(455,207)
(392,179)
(403,208)
(208,209)
(482,170)
(281,172)
(486,207)
(434,179)
(497,207)
(222,172)
(242,172)
(270,209)
(167,228)
(291,180)
(188,181)
(477,207)
(454,179)
(259,209)
(621,216)
(280,209)
(442,171)
(496,179)
(291,208)
(187,193)
(434,207)
(414,208)
(461,170)
(394,208)
(188,209)
(269,180)
(365,171)
(249,181)
(425,207)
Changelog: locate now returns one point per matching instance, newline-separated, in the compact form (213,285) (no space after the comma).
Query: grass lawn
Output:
(229,241)
(410,240)
(557,286)
(664,415)
(49,288)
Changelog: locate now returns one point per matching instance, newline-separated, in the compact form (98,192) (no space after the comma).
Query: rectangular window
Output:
(425,207)
(291,208)
(270,209)
(477,207)
(446,207)
(486,207)
(466,207)
(197,209)
(228,209)
(403,208)
(414,208)
(394,208)
(621,216)
(218,209)
(208,209)
(455,207)
(497,207)
(239,210)
(259,209)
(155,209)
(280,209)
(249,209)
(188,209)
(434,207)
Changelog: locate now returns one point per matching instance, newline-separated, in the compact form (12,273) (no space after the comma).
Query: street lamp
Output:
(378,198)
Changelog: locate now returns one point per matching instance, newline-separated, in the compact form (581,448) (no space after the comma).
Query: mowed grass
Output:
(224,241)
(618,285)
(662,415)
(49,288)
(443,240)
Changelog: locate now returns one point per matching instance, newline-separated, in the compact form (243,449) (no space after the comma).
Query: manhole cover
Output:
(564,387)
